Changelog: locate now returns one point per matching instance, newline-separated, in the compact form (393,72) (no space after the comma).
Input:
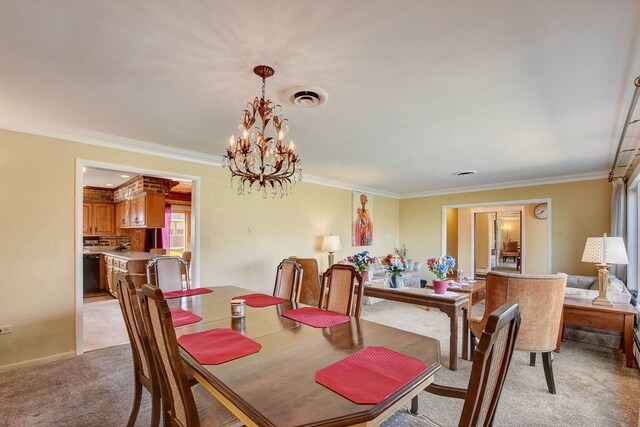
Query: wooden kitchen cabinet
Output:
(122,214)
(132,263)
(146,210)
(98,219)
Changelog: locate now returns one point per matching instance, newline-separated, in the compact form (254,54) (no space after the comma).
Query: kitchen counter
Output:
(131,256)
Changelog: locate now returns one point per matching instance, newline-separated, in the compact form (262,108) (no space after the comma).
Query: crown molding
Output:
(84,136)
(511,184)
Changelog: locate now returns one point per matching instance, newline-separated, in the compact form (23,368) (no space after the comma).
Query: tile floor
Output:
(103,323)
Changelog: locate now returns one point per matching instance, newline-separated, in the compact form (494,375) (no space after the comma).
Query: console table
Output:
(617,318)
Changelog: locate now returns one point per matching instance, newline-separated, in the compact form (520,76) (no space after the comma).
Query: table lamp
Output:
(604,251)
(331,244)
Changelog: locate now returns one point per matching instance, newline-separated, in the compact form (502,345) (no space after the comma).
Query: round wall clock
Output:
(540,211)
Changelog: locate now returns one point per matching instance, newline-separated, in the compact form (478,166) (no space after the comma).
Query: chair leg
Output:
(155,408)
(547,362)
(137,397)
(472,345)
(532,359)
(414,406)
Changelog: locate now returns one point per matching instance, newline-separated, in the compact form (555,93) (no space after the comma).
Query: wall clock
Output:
(541,211)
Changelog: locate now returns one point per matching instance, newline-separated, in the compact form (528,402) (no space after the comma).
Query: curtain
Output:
(619,221)
(165,239)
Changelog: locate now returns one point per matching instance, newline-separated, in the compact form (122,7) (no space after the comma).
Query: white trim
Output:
(84,136)
(38,361)
(547,200)
(511,184)
(632,237)
(195,227)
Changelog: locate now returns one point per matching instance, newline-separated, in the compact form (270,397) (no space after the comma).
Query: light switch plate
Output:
(8,329)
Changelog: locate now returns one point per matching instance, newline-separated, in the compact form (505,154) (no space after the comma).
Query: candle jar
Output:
(237,308)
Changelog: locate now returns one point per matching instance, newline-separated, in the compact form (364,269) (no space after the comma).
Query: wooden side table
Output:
(618,318)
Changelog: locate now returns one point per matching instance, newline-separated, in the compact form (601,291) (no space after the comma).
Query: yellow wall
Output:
(37,289)
(483,239)
(579,210)
(452,232)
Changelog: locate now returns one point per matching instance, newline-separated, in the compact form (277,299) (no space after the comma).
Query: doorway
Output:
(103,194)
(477,235)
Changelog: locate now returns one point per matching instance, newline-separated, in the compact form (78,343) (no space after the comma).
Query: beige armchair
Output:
(510,250)
(540,298)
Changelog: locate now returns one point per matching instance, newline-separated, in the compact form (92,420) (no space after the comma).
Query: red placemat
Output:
(186,293)
(316,317)
(260,300)
(218,346)
(181,317)
(370,375)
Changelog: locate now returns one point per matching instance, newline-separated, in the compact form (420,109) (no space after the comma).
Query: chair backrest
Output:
(309,292)
(158,251)
(168,272)
(342,289)
(186,255)
(490,365)
(511,246)
(540,299)
(140,346)
(177,398)
(288,275)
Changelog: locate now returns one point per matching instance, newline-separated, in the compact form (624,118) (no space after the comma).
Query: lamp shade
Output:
(330,243)
(605,250)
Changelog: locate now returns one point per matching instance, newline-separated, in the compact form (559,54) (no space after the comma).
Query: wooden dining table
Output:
(276,386)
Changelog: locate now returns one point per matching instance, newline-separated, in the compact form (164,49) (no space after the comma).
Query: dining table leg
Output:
(465,333)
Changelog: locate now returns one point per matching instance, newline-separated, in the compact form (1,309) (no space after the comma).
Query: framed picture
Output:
(362,223)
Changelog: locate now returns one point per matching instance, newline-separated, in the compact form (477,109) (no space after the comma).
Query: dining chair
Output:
(540,298)
(510,250)
(158,251)
(309,292)
(167,272)
(186,256)
(143,366)
(288,275)
(339,289)
(183,405)
(489,369)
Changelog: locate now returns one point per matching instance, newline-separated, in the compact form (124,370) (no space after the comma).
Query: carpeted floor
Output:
(594,386)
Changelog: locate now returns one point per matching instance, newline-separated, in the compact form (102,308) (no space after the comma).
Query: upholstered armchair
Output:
(540,298)
(510,250)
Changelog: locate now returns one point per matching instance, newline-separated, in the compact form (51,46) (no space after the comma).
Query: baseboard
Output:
(34,362)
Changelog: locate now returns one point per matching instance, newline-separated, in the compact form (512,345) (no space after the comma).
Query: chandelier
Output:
(256,158)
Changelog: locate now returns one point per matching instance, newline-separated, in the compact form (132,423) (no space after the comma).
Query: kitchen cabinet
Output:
(98,219)
(145,210)
(132,263)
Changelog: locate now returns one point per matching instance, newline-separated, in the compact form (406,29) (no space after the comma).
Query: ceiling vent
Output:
(466,173)
(307,96)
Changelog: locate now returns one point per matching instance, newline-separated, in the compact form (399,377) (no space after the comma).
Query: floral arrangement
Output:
(402,252)
(441,266)
(395,264)
(361,261)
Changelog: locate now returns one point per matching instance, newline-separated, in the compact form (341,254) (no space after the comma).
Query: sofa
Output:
(586,287)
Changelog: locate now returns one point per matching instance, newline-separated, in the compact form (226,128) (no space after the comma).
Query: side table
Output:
(618,318)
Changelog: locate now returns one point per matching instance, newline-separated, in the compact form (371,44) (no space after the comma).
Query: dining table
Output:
(277,385)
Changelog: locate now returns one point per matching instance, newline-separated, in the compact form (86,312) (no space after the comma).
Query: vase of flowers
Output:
(440,267)
(361,262)
(395,265)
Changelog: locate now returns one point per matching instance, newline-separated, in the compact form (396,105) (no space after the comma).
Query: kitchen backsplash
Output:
(105,240)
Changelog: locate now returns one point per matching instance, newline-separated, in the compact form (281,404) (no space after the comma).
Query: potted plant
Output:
(395,265)
(361,262)
(440,267)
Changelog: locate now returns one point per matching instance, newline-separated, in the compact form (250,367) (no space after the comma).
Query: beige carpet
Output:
(594,387)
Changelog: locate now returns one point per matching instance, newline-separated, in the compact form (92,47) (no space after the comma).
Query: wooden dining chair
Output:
(309,292)
(490,365)
(158,251)
(167,272)
(342,289)
(288,275)
(186,257)
(184,406)
(143,366)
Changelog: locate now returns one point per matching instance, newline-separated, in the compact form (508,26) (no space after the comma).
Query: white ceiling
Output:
(418,89)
